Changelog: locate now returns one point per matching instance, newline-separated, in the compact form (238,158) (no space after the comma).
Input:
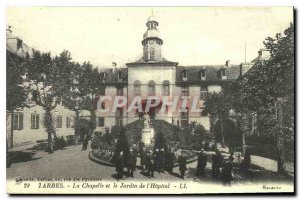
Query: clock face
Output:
(151,41)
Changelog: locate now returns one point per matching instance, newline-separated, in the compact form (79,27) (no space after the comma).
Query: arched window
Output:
(152,53)
(151,88)
(137,88)
(166,88)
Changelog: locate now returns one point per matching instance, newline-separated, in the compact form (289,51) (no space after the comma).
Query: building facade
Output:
(151,75)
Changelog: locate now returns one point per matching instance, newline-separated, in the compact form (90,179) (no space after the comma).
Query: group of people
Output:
(221,167)
(129,162)
(158,161)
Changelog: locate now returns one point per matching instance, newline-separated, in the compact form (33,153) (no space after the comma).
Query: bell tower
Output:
(152,42)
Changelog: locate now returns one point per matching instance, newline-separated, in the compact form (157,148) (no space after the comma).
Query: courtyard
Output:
(71,162)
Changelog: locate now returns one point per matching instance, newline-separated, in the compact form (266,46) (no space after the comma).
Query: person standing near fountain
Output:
(182,164)
(150,163)
(120,165)
(143,156)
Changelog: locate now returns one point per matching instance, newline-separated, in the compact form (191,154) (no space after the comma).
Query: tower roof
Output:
(152,18)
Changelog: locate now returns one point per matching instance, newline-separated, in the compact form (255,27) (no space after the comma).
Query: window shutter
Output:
(21,121)
(37,121)
(15,121)
(32,121)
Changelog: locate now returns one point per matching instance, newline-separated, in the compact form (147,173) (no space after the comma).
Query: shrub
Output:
(59,143)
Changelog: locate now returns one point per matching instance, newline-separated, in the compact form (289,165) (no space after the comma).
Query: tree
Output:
(268,89)
(15,90)
(89,86)
(218,106)
(47,77)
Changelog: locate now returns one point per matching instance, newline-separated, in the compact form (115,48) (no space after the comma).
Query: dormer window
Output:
(202,74)
(223,73)
(19,44)
(103,76)
(184,75)
(120,77)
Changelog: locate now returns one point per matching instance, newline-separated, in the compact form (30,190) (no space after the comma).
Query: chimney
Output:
(8,32)
(263,54)
(227,63)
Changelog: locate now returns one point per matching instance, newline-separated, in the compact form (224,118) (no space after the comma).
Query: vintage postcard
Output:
(142,100)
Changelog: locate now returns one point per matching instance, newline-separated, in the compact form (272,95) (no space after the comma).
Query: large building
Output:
(151,75)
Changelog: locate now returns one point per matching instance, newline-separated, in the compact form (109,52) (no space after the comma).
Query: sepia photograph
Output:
(150,100)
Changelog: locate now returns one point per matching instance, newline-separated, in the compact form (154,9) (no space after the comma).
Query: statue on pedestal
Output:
(146,121)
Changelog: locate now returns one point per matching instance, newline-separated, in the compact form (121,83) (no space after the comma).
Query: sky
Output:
(191,35)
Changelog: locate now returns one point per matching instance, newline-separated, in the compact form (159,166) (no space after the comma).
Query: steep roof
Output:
(212,72)
(142,61)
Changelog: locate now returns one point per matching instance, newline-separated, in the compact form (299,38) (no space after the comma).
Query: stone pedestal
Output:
(148,136)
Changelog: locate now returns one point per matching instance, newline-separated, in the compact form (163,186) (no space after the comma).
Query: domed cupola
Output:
(152,41)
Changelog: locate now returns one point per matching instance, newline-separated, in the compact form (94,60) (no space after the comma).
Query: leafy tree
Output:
(15,91)
(218,106)
(268,89)
(47,77)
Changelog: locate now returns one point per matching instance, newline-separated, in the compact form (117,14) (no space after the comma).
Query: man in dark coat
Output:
(227,171)
(120,165)
(85,142)
(246,162)
(182,164)
(131,162)
(156,159)
(143,156)
(161,160)
(171,160)
(217,160)
(141,145)
(150,164)
(201,163)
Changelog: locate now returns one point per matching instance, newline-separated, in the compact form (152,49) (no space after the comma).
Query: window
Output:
(19,44)
(68,122)
(202,74)
(59,121)
(183,75)
(119,117)
(223,73)
(120,76)
(35,121)
(152,52)
(137,88)
(103,76)
(184,91)
(103,105)
(101,121)
(184,118)
(151,88)
(18,121)
(203,93)
(166,88)
(119,91)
